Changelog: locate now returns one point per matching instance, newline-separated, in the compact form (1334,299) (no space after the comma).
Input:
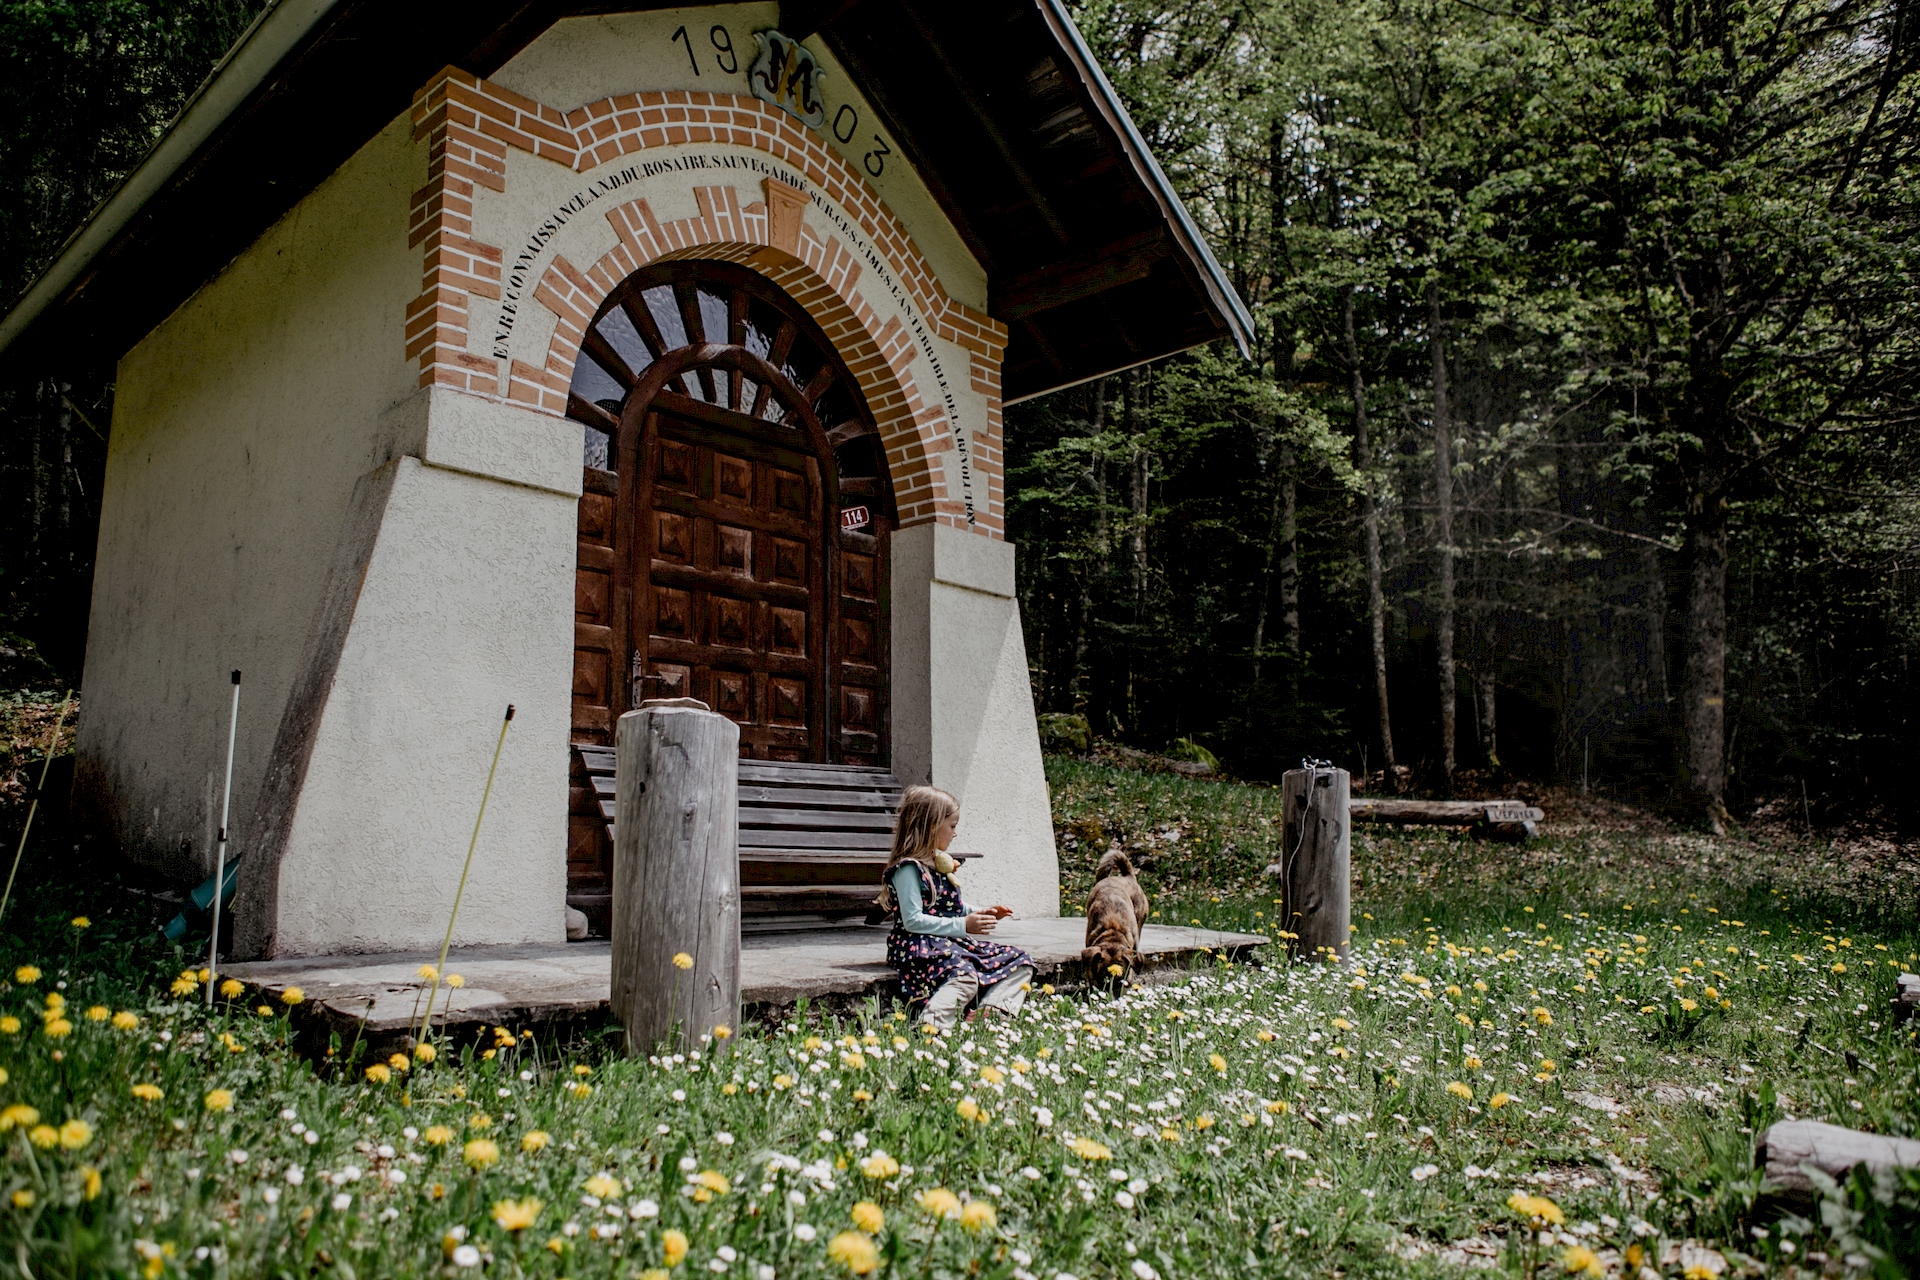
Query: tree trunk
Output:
(676,877)
(1266,585)
(1282,545)
(1489,735)
(1442,534)
(1137,478)
(1096,478)
(1289,568)
(1370,538)
(1704,692)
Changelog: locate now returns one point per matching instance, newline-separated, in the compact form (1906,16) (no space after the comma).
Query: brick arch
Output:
(471,123)
(819,276)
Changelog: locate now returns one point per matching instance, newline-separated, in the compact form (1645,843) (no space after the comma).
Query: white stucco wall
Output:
(240,427)
(963,711)
(467,605)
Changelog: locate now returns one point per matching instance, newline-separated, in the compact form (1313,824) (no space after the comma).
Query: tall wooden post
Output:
(1317,863)
(676,875)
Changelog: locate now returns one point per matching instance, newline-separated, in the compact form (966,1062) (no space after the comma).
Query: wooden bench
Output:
(813,838)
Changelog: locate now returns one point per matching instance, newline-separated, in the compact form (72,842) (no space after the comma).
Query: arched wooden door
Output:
(733,530)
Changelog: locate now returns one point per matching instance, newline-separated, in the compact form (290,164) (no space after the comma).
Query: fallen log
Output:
(1906,996)
(1785,1147)
(1513,819)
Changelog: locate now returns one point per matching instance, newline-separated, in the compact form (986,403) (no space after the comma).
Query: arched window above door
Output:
(747,348)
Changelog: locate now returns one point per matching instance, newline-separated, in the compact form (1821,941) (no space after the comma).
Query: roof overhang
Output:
(1091,259)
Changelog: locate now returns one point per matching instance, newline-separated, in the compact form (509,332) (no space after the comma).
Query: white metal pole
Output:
(220,858)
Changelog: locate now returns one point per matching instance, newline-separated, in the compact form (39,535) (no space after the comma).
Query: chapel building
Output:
(570,355)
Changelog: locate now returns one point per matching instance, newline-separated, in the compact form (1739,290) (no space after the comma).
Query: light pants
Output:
(945,1005)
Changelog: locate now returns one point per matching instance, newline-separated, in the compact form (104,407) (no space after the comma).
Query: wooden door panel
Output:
(733,601)
(732,566)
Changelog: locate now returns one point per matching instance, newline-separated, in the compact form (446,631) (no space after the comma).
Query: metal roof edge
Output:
(280,29)
(1232,308)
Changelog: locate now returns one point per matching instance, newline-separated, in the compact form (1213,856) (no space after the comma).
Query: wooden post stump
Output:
(1316,864)
(676,876)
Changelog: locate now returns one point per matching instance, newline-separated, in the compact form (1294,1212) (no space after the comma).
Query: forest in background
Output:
(1577,442)
(1579,439)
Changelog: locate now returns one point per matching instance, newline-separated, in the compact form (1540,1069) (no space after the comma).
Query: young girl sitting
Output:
(938,945)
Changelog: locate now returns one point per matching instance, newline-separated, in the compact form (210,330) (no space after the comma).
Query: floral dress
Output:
(926,961)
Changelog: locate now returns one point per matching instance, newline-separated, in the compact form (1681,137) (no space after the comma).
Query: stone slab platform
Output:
(381,996)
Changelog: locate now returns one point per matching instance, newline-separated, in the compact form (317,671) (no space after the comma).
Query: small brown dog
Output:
(1116,910)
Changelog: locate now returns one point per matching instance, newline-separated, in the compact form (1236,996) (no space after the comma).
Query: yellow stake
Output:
(54,741)
(440,969)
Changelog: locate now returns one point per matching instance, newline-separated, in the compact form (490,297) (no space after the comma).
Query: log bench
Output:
(1511,819)
(813,839)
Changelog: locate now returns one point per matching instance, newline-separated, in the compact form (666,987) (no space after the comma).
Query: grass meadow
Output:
(1547,1060)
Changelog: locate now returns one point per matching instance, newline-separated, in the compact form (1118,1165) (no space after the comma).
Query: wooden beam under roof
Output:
(1077,277)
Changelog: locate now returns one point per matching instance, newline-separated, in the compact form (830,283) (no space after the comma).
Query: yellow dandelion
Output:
(379,1073)
(939,1202)
(721,1031)
(231,988)
(81,922)
(673,1246)
(867,1217)
(681,960)
(1217,1062)
(582,1069)
(968,1109)
(26,974)
(23,1199)
(853,1061)
(603,1186)
(1541,1016)
(218,1100)
(1689,1005)
(1538,1208)
(58,1028)
(89,1181)
(535,1140)
(99,1013)
(75,1134)
(10,1025)
(292,996)
(426,973)
(437,1135)
(455,981)
(1581,1260)
(992,1075)
(1088,1149)
(1461,1089)
(879,1165)
(1499,1100)
(481,1153)
(516,1215)
(855,1252)
(147,1092)
(715,1182)
(44,1136)
(978,1216)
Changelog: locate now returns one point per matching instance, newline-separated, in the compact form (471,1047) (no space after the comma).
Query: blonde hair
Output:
(922,811)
